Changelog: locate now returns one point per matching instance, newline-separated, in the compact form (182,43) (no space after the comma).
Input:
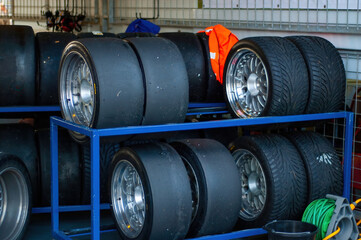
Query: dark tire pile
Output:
(184,184)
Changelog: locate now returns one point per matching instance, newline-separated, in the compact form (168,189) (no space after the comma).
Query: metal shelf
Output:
(96,134)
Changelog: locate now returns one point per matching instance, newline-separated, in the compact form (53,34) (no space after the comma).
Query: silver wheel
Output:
(254,187)
(77,90)
(194,187)
(14,203)
(247,84)
(128,199)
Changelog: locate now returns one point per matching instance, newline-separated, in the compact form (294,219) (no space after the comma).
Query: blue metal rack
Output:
(96,134)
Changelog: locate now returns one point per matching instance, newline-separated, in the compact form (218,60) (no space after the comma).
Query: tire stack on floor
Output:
(28,77)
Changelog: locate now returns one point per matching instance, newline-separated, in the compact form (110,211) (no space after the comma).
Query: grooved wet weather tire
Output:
(69,168)
(49,46)
(214,88)
(15,198)
(215,185)
(150,193)
(323,165)
(97,75)
(265,76)
(166,81)
(192,52)
(17,61)
(274,183)
(326,74)
(19,140)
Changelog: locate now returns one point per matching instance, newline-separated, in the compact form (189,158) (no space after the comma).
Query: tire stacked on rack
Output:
(192,53)
(265,76)
(117,83)
(17,72)
(214,88)
(273,178)
(269,76)
(203,85)
(49,48)
(326,74)
(69,168)
(281,175)
(182,187)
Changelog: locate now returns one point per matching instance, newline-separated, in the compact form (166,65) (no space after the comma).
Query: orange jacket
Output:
(221,40)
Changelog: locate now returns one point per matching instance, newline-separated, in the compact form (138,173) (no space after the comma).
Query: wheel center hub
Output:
(253,84)
(85,91)
(254,184)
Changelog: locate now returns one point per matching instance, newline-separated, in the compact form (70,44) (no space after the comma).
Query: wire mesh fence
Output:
(294,15)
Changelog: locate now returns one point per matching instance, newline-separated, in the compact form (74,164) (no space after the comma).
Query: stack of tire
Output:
(28,77)
(274,76)
(282,174)
(172,191)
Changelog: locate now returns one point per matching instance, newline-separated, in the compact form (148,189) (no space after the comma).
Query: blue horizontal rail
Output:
(197,125)
(23,109)
(72,208)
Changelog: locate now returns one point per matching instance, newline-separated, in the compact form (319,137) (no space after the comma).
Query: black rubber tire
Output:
(287,74)
(323,165)
(17,72)
(166,188)
(17,230)
(218,183)
(19,140)
(214,88)
(192,52)
(107,152)
(222,135)
(166,81)
(95,34)
(49,46)
(69,168)
(326,74)
(118,82)
(135,34)
(285,175)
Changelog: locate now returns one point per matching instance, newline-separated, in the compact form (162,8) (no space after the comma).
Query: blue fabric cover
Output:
(141,25)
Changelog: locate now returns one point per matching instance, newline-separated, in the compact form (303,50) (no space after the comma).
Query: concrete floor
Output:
(40,226)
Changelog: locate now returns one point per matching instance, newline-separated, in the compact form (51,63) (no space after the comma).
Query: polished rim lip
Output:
(118,205)
(194,187)
(66,89)
(231,69)
(248,213)
(21,208)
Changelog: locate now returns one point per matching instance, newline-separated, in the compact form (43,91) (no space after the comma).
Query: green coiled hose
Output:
(319,212)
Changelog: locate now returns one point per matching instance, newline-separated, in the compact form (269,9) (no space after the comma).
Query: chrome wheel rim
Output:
(77,90)
(254,187)
(247,84)
(194,187)
(14,203)
(128,199)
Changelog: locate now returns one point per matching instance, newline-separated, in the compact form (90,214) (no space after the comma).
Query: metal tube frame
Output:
(95,135)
